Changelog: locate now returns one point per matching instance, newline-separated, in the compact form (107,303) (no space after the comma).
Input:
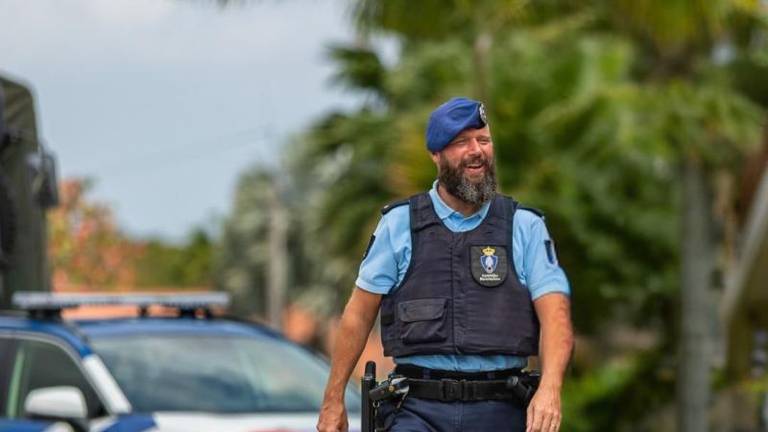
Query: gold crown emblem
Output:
(489,251)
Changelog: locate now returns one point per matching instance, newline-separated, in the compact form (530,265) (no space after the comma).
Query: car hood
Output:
(197,422)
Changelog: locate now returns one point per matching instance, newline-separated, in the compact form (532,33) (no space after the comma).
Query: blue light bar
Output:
(36,300)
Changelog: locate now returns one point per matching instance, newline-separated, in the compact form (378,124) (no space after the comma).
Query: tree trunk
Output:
(697,262)
(481,51)
(278,258)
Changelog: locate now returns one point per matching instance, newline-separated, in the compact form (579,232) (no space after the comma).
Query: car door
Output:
(38,363)
(7,356)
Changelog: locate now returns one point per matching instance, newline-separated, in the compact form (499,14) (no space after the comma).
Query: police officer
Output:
(469,286)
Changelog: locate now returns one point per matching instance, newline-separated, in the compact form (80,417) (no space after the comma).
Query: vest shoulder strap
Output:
(422,212)
(387,208)
(533,210)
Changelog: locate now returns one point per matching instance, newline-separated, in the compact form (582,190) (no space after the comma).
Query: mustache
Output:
(475,160)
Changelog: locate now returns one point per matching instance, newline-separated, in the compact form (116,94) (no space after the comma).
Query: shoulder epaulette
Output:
(392,205)
(533,210)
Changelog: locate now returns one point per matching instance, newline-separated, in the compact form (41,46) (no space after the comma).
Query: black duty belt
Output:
(417,372)
(450,390)
(449,386)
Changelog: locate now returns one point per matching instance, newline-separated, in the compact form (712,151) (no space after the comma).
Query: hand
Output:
(544,411)
(333,417)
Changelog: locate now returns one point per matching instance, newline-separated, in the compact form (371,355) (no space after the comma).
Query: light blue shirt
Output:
(386,262)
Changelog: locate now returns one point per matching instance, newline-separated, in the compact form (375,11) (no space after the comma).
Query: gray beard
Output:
(462,188)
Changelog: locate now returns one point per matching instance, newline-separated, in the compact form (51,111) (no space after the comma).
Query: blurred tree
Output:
(85,245)
(87,248)
(713,128)
(167,265)
(251,245)
(241,259)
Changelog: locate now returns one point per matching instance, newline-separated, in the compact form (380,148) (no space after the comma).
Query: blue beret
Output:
(452,117)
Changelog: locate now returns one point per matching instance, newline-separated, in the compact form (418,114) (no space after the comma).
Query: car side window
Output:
(42,364)
(6,361)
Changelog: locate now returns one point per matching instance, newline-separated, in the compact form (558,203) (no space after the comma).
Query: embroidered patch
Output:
(549,245)
(370,243)
(489,265)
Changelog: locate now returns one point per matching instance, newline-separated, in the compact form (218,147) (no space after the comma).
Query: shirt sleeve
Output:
(543,273)
(379,271)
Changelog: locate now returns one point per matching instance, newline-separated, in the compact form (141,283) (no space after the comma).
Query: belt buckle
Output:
(452,389)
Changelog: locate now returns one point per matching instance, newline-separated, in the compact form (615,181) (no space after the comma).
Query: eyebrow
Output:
(457,139)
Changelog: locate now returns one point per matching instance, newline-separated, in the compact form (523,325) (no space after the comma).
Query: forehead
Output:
(473,133)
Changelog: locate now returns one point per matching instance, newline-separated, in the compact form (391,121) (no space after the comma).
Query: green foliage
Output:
(747,73)
(446,18)
(426,73)
(241,258)
(165,265)
(614,396)
(361,69)
(338,171)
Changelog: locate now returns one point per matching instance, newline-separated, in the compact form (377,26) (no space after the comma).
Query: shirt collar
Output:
(444,211)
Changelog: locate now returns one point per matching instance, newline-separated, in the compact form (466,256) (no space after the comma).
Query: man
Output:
(469,286)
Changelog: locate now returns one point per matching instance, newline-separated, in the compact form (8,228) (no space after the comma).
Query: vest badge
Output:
(489,265)
(489,260)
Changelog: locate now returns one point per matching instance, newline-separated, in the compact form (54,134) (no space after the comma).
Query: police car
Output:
(188,372)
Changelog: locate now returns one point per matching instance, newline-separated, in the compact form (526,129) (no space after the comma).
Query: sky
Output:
(165,102)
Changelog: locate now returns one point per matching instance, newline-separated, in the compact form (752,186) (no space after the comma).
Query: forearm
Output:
(354,328)
(556,344)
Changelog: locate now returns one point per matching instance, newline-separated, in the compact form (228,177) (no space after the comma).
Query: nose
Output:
(473,146)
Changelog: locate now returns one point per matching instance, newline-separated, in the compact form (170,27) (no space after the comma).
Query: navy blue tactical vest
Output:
(461,293)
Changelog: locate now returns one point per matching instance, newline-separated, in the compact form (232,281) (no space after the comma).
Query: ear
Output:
(435,157)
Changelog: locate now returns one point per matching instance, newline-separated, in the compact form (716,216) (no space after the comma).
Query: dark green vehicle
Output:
(28,188)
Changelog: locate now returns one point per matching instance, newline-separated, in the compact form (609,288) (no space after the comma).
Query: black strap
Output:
(418,372)
(387,208)
(533,210)
(450,390)
(422,213)
(510,208)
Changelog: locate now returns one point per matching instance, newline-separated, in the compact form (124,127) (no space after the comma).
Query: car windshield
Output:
(214,373)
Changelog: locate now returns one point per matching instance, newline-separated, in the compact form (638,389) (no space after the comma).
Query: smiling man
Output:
(468,284)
